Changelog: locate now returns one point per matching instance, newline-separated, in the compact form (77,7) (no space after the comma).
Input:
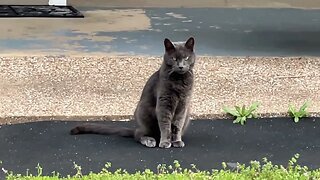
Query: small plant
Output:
(257,170)
(297,115)
(243,113)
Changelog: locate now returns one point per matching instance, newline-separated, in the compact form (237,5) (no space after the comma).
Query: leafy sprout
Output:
(242,113)
(298,114)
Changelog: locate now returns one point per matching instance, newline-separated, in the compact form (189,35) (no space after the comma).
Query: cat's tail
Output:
(102,129)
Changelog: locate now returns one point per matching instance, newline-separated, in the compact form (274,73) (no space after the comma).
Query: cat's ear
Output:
(168,45)
(190,44)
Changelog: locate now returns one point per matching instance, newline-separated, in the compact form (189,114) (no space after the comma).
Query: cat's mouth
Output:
(178,71)
(181,71)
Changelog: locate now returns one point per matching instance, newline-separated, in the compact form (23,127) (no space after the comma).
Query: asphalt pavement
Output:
(208,143)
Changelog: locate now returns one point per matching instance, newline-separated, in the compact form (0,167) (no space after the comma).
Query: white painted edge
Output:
(58,2)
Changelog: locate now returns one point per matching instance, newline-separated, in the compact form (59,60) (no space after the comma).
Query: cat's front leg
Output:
(176,137)
(177,129)
(165,130)
(164,110)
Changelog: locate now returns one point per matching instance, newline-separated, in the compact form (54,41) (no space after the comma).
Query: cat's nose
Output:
(180,67)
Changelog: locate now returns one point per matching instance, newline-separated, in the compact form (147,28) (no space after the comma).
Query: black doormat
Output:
(39,11)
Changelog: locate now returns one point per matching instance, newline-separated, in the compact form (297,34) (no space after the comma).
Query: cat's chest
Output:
(180,88)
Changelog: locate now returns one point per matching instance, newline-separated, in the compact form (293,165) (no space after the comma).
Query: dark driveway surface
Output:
(208,143)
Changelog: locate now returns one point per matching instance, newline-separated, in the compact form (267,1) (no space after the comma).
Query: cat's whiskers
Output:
(170,71)
(191,72)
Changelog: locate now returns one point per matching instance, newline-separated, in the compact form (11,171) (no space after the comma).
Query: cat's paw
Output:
(164,144)
(148,141)
(178,144)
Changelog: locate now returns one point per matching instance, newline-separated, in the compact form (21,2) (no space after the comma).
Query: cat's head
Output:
(179,56)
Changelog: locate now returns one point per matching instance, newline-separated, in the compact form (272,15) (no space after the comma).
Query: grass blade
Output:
(237,120)
(238,109)
(304,106)
(292,110)
(254,106)
(231,111)
(243,111)
(243,120)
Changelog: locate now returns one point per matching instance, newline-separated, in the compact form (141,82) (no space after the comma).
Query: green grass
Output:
(256,170)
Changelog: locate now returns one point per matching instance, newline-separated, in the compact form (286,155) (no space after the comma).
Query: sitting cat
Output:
(163,110)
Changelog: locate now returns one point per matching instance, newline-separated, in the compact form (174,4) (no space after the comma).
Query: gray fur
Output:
(162,113)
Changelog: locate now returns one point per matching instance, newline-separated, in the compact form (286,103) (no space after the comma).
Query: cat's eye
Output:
(174,58)
(186,59)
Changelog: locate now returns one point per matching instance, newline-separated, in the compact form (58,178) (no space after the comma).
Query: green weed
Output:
(302,112)
(255,170)
(241,114)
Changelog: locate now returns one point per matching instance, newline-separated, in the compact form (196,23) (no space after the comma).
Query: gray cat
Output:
(163,110)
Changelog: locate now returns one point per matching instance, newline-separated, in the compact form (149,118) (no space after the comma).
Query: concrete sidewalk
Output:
(141,31)
(308,4)
(110,87)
